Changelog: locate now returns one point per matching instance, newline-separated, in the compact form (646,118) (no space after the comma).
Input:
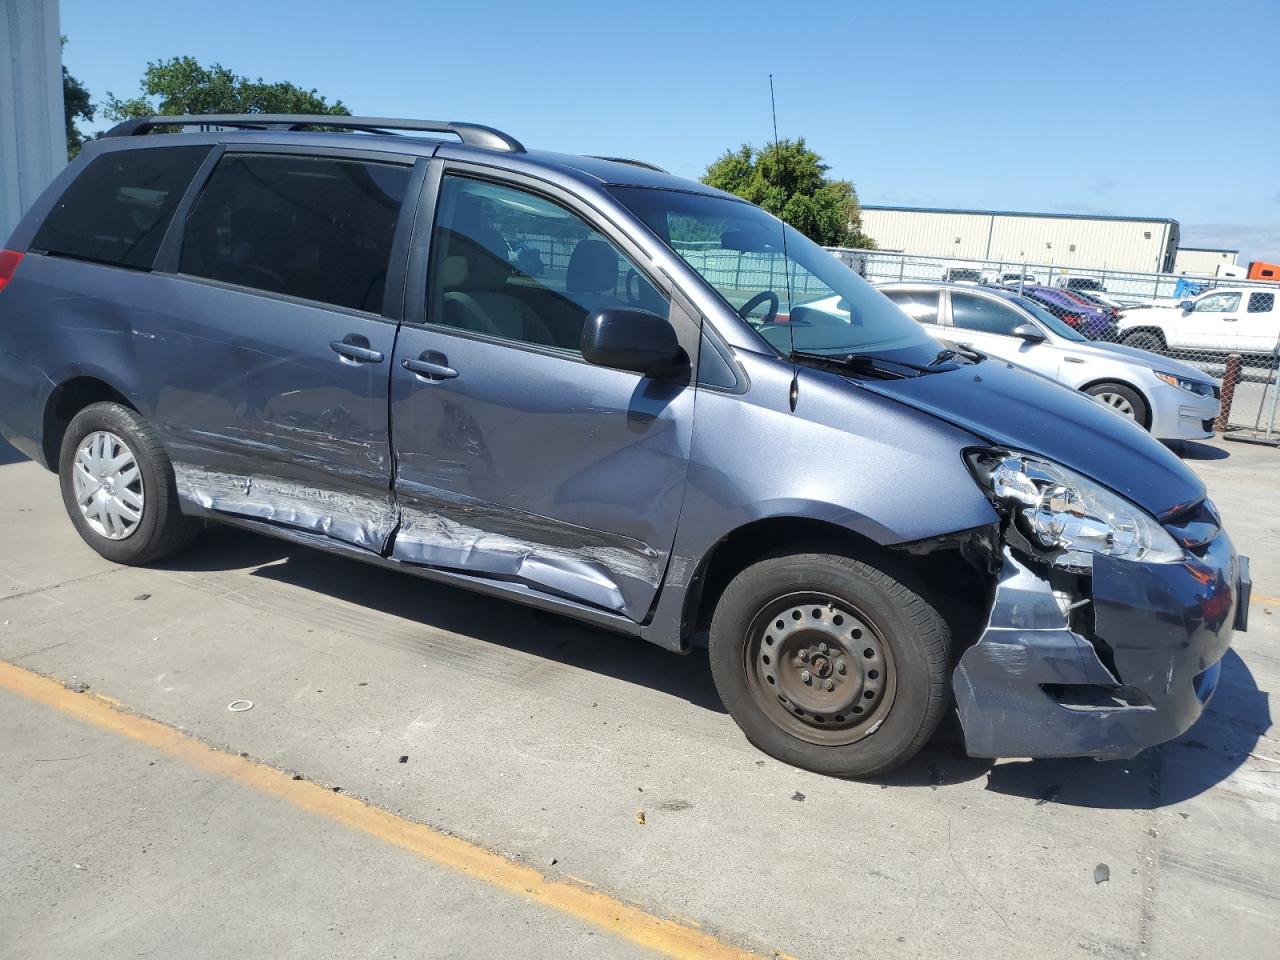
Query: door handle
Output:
(355,349)
(431,366)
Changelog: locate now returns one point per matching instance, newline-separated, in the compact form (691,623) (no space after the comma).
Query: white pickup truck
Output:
(1242,320)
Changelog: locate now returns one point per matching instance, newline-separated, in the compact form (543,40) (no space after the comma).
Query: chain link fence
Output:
(1229,329)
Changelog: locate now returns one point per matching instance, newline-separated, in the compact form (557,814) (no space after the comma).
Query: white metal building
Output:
(33,142)
(1057,239)
(1203,261)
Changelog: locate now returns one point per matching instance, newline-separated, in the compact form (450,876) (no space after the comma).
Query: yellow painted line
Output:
(590,906)
(1262,598)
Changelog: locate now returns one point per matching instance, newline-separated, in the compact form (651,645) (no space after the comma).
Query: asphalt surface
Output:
(543,740)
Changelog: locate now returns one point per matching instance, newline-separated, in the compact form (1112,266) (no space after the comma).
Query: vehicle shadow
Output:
(1203,757)
(1211,751)
(453,609)
(1193,450)
(9,454)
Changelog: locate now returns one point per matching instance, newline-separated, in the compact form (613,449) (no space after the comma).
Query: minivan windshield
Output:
(797,296)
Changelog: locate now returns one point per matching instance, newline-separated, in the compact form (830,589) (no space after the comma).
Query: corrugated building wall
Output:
(1203,261)
(1066,240)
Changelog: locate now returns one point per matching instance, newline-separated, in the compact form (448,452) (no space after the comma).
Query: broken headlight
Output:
(1068,518)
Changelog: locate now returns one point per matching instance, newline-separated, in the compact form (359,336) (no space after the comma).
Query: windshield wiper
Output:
(960,350)
(859,363)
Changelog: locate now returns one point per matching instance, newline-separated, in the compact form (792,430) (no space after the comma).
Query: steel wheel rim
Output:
(851,684)
(107,485)
(1117,403)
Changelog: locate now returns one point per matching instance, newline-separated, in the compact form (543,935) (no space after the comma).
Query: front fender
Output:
(845,456)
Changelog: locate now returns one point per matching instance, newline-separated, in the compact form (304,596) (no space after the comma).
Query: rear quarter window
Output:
(1262,302)
(119,207)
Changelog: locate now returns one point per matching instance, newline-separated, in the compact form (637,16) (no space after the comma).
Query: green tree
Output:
(790,181)
(182,85)
(77,106)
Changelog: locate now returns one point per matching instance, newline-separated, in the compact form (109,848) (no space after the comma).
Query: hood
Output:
(1012,407)
(1153,360)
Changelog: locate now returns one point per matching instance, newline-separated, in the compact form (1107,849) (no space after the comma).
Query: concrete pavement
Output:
(542,740)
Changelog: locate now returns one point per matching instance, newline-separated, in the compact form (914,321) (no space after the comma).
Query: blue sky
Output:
(1163,110)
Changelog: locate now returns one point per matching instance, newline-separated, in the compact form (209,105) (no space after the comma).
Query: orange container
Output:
(1264,271)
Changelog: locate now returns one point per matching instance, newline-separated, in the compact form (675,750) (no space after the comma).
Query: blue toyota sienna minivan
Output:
(583,384)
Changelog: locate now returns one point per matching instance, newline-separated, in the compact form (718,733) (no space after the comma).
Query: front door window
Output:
(514,265)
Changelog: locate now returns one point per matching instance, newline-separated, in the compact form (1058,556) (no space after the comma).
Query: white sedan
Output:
(1171,399)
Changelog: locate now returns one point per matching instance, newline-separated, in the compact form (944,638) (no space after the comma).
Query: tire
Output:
(1123,400)
(1149,340)
(890,691)
(144,478)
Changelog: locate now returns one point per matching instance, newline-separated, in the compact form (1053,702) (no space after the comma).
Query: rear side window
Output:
(979,313)
(319,228)
(917,305)
(1262,302)
(117,210)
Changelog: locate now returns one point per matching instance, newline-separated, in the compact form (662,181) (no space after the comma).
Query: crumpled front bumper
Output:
(1033,687)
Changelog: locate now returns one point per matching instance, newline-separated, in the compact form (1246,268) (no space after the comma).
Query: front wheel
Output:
(830,664)
(118,486)
(1123,400)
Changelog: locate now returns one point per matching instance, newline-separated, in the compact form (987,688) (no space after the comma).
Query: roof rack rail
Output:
(630,162)
(472,134)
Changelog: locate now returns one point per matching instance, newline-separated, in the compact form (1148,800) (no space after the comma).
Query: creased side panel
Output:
(354,518)
(441,529)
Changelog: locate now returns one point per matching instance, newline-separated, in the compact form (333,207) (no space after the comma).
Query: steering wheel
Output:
(745,310)
(632,297)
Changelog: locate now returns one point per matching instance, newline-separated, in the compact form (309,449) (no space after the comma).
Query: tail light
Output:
(9,260)
(1072,319)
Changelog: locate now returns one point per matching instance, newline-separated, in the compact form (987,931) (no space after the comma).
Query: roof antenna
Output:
(786,262)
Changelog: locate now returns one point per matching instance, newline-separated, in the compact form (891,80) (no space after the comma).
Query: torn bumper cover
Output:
(1033,687)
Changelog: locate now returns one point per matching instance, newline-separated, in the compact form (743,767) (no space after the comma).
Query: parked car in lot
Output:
(1171,399)
(1242,320)
(324,336)
(1111,307)
(1014,278)
(1095,323)
(1090,288)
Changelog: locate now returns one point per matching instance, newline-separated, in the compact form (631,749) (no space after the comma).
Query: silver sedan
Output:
(1171,399)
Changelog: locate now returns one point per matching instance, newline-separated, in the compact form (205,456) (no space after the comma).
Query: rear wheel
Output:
(830,664)
(1150,340)
(118,486)
(1123,400)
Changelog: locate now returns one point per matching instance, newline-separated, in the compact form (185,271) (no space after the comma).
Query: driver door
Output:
(988,324)
(515,458)
(1213,322)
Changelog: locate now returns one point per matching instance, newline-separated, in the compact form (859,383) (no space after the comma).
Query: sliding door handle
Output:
(430,366)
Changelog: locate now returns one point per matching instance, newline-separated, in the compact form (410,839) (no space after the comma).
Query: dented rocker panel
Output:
(443,529)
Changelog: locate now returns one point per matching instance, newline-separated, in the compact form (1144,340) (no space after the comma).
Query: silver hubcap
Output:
(108,485)
(1117,403)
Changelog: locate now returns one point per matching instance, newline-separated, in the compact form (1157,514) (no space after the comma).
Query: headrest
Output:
(483,268)
(593,268)
(454,273)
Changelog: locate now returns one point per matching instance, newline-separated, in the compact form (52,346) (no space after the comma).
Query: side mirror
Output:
(1029,332)
(634,340)
(1186,306)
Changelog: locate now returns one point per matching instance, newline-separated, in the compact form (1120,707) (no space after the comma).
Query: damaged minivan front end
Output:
(1107,628)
